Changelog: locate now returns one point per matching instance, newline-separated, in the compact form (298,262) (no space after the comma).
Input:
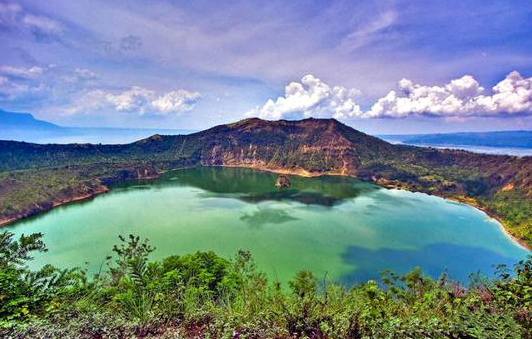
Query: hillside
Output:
(35,177)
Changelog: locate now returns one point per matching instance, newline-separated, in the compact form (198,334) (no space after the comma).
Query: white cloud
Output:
(137,100)
(22,72)
(50,83)
(18,82)
(85,73)
(512,95)
(311,97)
(459,98)
(80,76)
(176,101)
(42,23)
(10,90)
(368,33)
(13,16)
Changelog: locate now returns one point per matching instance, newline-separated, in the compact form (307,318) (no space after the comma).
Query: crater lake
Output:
(342,229)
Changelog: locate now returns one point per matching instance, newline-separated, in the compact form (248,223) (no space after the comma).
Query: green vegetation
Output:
(201,295)
(516,210)
(27,192)
(35,177)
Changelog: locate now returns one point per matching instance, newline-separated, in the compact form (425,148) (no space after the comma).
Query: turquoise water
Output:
(339,228)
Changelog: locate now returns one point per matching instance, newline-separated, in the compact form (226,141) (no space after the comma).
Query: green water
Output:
(336,227)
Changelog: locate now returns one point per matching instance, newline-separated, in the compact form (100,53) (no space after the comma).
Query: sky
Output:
(384,67)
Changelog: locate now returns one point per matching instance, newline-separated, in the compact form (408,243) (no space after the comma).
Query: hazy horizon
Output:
(509,143)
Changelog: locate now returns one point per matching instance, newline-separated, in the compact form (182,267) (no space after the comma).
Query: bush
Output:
(203,295)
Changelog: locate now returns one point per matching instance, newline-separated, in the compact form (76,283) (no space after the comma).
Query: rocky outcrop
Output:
(131,173)
(282,181)
(315,146)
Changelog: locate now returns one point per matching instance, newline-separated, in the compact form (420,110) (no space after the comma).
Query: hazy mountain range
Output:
(24,127)
(24,121)
(518,139)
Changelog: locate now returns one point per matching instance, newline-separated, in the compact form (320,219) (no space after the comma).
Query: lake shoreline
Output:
(500,223)
(300,172)
(518,241)
(77,198)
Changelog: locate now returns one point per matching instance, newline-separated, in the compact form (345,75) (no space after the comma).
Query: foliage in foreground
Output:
(202,295)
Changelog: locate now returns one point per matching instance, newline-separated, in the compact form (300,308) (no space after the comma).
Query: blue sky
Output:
(380,66)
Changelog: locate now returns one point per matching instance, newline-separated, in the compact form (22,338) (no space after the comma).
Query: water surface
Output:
(337,227)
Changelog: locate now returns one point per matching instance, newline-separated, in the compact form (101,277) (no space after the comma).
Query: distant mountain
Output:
(506,139)
(24,127)
(13,121)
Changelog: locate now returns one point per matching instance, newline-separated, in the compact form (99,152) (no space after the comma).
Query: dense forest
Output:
(202,295)
(34,177)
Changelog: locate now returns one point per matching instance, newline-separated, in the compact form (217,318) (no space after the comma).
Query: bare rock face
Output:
(282,181)
(320,146)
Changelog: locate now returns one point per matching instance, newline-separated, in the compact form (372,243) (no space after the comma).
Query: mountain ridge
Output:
(502,185)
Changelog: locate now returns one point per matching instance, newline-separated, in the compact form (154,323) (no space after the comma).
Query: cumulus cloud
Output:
(311,97)
(137,100)
(459,98)
(73,90)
